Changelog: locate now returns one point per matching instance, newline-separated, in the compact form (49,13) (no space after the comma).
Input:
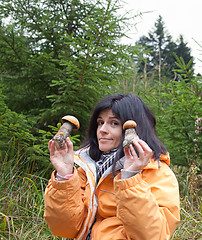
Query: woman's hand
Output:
(62,159)
(132,161)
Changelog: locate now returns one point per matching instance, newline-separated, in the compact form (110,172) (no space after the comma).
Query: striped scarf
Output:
(106,160)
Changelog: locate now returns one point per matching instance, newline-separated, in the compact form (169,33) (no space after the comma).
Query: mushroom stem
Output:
(130,133)
(69,123)
(64,132)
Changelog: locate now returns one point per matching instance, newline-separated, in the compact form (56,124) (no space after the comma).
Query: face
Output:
(109,131)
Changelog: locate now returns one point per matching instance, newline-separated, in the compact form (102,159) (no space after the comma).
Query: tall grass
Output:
(22,201)
(189,179)
(190,212)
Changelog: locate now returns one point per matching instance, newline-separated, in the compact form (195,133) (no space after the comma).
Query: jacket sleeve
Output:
(65,208)
(148,204)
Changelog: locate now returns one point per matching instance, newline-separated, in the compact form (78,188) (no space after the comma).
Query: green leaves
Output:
(185,70)
(66,57)
(177,106)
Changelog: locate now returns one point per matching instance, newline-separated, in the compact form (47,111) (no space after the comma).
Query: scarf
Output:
(106,160)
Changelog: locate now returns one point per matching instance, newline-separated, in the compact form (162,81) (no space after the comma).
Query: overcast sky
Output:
(180,17)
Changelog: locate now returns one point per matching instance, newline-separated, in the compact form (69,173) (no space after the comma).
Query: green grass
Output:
(22,207)
(190,212)
(21,200)
(22,203)
(190,225)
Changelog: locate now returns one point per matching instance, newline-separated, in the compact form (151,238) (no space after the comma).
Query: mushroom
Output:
(69,123)
(130,133)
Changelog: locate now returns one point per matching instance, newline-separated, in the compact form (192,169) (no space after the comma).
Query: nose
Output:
(103,128)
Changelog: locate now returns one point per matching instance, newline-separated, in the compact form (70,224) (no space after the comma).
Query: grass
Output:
(190,182)
(22,207)
(22,203)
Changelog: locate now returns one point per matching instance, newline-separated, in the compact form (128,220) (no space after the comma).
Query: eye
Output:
(115,123)
(100,122)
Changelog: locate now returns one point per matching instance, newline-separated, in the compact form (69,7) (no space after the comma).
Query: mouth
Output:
(104,139)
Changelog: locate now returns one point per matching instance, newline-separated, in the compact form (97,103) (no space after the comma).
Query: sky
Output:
(181,17)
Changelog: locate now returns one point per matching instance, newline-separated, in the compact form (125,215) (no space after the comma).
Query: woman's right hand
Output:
(62,159)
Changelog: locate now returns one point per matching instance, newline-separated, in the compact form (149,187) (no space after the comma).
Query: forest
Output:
(61,57)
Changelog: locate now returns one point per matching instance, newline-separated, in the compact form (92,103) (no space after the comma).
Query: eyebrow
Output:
(111,117)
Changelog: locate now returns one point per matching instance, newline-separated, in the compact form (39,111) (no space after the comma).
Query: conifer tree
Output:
(60,57)
(160,46)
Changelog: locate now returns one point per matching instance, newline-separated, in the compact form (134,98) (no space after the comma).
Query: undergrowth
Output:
(22,205)
(22,200)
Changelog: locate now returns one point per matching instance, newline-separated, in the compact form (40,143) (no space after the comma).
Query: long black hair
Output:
(125,107)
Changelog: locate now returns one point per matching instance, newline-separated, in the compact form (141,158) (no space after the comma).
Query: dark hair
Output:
(125,107)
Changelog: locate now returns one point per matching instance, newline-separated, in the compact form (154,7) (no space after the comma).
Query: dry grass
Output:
(22,204)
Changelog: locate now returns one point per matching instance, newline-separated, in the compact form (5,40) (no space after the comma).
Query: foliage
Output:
(177,107)
(56,58)
(158,59)
(21,201)
(17,138)
(189,178)
(22,204)
(16,133)
(60,57)
(190,211)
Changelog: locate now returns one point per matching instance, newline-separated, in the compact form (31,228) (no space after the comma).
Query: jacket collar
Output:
(153,164)
(119,165)
(156,164)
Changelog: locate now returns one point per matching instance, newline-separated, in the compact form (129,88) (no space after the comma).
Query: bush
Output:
(177,106)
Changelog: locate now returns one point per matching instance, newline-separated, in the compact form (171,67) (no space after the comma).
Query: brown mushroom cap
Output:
(72,120)
(129,124)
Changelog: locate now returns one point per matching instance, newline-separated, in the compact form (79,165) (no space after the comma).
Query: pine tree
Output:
(60,57)
(160,59)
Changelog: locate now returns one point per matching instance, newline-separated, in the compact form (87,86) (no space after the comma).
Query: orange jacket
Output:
(143,207)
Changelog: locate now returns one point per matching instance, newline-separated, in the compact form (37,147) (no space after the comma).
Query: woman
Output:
(114,193)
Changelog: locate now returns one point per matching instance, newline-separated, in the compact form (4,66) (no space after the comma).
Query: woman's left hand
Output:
(132,161)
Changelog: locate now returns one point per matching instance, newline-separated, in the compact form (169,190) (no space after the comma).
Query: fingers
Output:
(127,152)
(132,151)
(137,160)
(51,147)
(69,145)
(143,148)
